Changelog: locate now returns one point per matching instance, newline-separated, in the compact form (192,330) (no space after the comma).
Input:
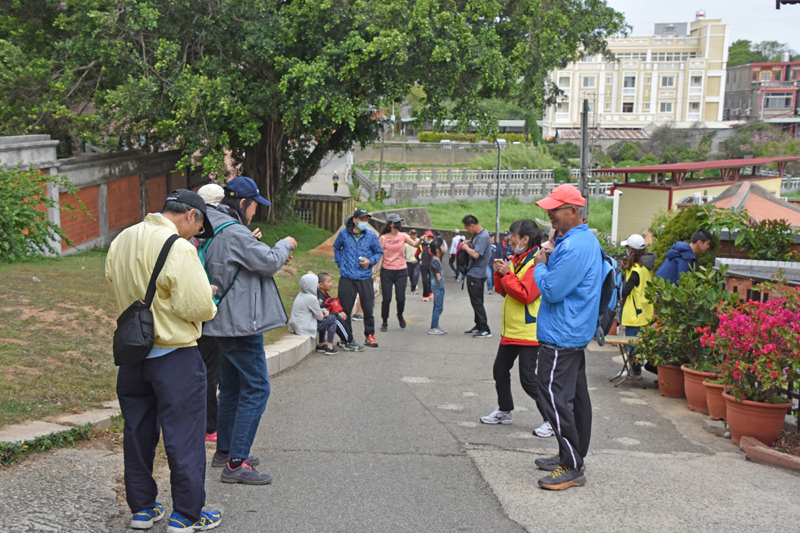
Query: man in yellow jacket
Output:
(166,391)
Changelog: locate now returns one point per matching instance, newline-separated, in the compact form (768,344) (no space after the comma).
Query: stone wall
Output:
(424,153)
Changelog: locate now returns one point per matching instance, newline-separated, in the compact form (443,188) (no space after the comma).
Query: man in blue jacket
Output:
(357,252)
(681,257)
(569,280)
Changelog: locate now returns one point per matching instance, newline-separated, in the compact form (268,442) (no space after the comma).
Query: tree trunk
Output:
(262,163)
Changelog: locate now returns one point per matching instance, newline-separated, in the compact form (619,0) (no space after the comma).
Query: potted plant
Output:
(656,344)
(760,344)
(687,311)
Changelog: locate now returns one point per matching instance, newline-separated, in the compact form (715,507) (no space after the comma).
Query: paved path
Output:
(388,440)
(322,181)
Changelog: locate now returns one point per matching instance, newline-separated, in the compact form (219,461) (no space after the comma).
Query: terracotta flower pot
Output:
(763,421)
(695,391)
(670,381)
(716,403)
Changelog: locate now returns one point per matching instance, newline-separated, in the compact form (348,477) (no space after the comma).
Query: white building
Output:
(678,75)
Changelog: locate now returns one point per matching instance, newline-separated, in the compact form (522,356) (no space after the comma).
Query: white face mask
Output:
(519,248)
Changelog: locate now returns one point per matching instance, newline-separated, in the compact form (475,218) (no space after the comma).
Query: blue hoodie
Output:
(570,285)
(680,258)
(347,250)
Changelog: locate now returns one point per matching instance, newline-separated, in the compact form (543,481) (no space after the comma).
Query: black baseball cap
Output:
(361,213)
(194,200)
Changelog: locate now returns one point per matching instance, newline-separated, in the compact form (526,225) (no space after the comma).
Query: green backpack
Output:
(202,254)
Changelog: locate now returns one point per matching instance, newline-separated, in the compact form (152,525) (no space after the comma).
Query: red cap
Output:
(563,194)
(427,233)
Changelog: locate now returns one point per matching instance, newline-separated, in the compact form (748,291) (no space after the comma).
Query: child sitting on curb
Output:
(308,317)
(335,309)
(437,249)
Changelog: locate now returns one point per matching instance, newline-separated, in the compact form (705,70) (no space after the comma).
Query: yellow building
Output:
(677,75)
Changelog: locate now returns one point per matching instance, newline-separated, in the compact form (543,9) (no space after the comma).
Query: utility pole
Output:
(500,143)
(380,167)
(584,180)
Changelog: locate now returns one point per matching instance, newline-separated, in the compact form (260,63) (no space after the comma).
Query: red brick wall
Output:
(124,203)
(178,180)
(79,226)
(156,193)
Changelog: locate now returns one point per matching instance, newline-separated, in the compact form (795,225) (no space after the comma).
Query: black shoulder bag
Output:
(134,336)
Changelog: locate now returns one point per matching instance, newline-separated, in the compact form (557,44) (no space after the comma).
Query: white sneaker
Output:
(437,331)
(544,431)
(497,417)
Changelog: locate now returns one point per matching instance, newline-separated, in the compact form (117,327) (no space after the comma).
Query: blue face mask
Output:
(363,226)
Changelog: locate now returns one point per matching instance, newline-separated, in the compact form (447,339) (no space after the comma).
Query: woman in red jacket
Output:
(514,281)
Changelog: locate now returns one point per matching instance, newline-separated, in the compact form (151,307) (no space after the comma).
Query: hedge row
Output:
(436,136)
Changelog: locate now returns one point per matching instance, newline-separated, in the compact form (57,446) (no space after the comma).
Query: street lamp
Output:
(500,144)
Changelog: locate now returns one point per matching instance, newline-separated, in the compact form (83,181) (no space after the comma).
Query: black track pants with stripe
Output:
(564,400)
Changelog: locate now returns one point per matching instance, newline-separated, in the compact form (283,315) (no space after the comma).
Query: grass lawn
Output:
(55,336)
(449,215)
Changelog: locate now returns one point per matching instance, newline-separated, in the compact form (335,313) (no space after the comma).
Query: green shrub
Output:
(681,228)
(12,452)
(622,151)
(562,174)
(436,136)
(565,152)
(24,227)
(517,156)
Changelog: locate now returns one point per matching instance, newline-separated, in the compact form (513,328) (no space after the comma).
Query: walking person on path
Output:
(425,266)
(514,280)
(569,280)
(457,238)
(412,262)
(437,250)
(481,253)
(392,266)
(166,393)
(250,305)
(357,252)
(335,182)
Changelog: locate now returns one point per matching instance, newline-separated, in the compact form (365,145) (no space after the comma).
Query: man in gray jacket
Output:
(249,304)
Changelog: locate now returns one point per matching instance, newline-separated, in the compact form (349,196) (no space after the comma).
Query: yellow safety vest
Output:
(638,310)
(519,320)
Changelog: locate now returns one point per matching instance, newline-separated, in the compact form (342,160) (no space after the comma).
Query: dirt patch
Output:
(14,341)
(789,442)
(99,313)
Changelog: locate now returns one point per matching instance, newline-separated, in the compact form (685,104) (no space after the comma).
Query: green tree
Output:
(277,86)
(739,53)
(621,151)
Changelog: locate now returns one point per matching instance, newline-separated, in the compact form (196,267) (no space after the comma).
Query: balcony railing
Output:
(766,83)
(695,91)
(693,117)
(562,117)
(628,91)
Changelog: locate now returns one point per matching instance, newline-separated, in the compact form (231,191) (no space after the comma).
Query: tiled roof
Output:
(759,203)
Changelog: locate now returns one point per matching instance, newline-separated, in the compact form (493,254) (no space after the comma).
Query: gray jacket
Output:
(306,310)
(253,304)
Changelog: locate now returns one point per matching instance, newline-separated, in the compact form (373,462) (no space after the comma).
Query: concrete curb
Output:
(282,355)
(758,452)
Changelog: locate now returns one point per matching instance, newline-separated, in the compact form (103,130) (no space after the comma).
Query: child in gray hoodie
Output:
(308,318)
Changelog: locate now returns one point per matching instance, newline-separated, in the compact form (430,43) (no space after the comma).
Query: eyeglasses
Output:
(560,208)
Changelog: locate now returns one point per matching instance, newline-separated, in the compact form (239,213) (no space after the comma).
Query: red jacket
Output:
(522,290)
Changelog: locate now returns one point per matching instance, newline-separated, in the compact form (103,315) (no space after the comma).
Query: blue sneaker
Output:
(208,520)
(145,518)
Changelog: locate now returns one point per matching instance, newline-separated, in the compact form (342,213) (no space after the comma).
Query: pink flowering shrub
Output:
(760,345)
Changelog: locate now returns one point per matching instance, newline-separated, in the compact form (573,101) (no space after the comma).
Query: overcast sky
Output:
(754,20)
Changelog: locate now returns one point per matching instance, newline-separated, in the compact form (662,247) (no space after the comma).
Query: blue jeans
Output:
(437,288)
(632,331)
(489,279)
(243,392)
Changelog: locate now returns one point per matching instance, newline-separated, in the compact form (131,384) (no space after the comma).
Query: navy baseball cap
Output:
(244,187)
(361,213)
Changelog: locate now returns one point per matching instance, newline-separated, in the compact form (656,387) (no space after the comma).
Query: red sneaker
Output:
(211,438)
(370,341)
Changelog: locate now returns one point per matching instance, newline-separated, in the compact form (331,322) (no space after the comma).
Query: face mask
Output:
(398,225)
(519,249)
(363,226)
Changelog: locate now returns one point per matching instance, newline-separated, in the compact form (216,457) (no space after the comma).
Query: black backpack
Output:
(463,261)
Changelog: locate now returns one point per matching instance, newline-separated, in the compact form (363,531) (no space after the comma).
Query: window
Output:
(627,107)
(648,80)
(795,74)
(304,214)
(591,107)
(630,81)
(694,107)
(608,106)
(646,107)
(765,75)
(588,82)
(755,76)
(563,82)
(587,59)
(562,107)
(641,56)
(778,101)
(696,81)
(667,81)
(673,56)
(665,107)
(610,80)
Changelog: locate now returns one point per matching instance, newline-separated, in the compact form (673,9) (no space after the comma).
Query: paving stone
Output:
(717,427)
(102,418)
(29,431)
